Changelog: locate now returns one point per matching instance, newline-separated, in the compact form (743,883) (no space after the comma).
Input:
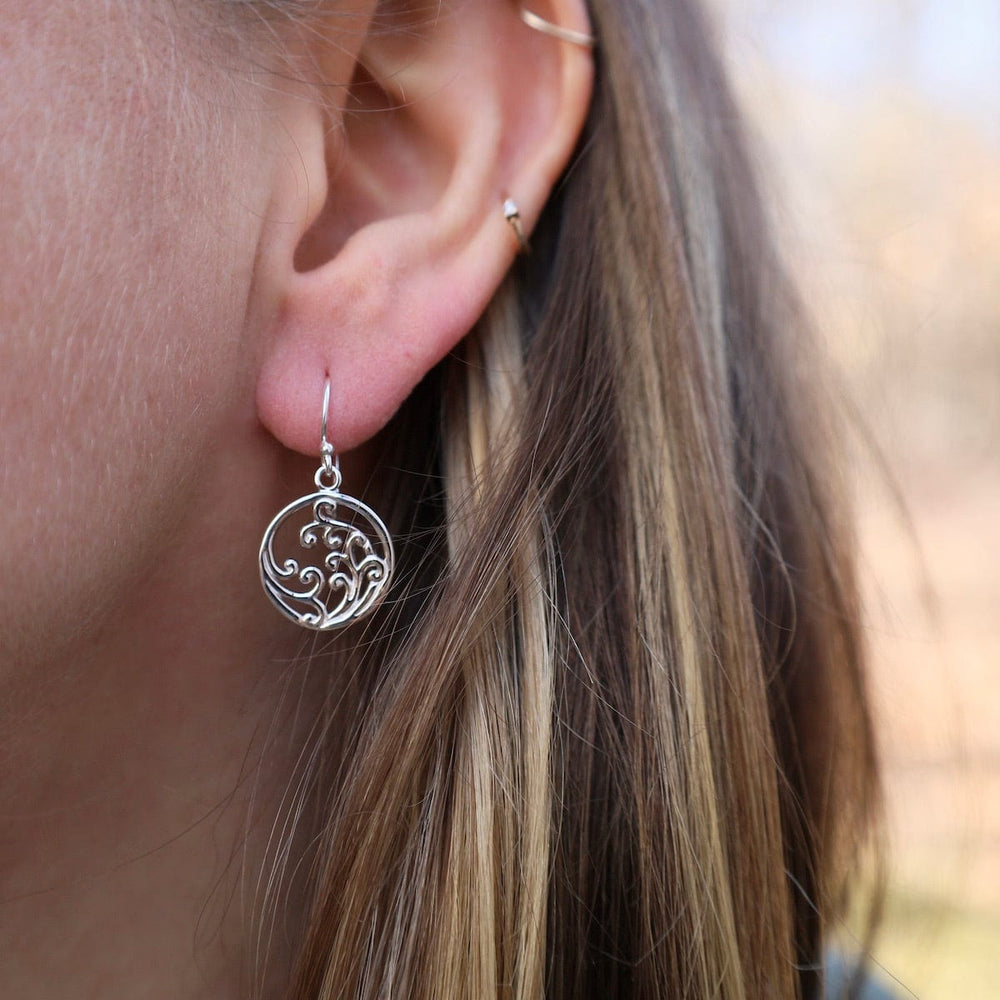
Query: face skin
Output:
(132,312)
(125,275)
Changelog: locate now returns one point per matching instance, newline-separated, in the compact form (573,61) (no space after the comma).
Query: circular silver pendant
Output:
(326,559)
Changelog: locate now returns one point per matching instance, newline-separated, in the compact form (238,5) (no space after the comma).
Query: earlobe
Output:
(441,125)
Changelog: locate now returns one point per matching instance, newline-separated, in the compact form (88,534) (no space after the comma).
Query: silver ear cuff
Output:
(532,20)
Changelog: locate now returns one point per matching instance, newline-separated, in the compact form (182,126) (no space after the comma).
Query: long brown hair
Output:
(610,739)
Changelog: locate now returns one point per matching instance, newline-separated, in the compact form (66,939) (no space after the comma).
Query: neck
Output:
(145,774)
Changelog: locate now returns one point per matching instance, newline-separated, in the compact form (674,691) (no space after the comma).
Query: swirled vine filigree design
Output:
(339,586)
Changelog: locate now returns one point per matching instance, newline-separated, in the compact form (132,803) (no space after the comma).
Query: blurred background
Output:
(879,122)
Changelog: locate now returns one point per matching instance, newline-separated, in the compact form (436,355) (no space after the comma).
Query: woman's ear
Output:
(397,187)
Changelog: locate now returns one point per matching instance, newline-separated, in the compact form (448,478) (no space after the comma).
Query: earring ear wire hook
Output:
(331,460)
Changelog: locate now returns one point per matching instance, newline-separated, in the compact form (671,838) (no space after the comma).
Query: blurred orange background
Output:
(879,124)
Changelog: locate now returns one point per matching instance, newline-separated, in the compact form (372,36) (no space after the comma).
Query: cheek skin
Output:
(130,211)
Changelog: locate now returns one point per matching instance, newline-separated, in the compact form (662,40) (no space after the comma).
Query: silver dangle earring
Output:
(336,587)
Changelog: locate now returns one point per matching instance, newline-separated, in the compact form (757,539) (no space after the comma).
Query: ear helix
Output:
(348,571)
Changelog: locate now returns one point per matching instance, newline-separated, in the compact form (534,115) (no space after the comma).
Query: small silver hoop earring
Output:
(581,38)
(352,578)
(513,215)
